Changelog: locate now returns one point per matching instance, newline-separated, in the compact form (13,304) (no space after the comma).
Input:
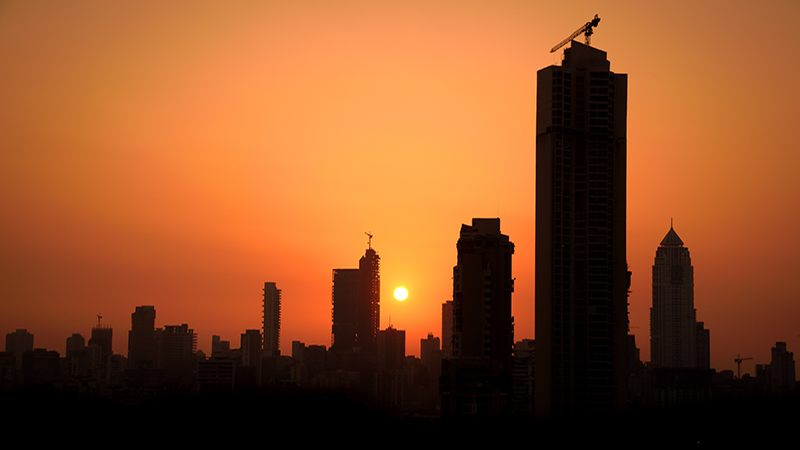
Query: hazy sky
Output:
(180,154)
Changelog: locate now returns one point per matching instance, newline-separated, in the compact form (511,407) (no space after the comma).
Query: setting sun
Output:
(401,293)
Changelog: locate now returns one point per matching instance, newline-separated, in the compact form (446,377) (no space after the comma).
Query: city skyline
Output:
(180,156)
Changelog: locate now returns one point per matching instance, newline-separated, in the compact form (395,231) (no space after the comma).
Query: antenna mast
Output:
(369,242)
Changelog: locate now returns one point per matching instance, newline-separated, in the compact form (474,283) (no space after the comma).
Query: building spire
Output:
(369,241)
(672,239)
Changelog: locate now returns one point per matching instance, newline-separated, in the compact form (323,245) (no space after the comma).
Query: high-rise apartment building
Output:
(272,319)
(345,309)
(250,346)
(19,342)
(356,305)
(447,329)
(369,303)
(142,338)
(477,379)
(482,287)
(581,270)
(673,321)
(782,371)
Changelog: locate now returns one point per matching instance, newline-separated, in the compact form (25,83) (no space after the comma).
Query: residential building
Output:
(477,379)
(142,338)
(272,319)
(581,280)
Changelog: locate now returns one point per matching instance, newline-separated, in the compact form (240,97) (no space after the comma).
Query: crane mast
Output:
(586,30)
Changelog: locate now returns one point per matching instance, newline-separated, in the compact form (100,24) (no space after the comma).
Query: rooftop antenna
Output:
(586,29)
(98,320)
(369,242)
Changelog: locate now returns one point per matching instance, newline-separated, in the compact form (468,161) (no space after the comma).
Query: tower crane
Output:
(738,361)
(586,30)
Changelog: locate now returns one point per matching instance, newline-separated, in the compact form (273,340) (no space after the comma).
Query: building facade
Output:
(581,271)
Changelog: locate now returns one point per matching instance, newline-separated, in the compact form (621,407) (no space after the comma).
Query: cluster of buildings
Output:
(583,359)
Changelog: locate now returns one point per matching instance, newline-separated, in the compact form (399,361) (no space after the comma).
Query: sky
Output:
(180,154)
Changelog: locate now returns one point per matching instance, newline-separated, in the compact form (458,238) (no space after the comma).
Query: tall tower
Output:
(356,304)
(272,319)
(673,322)
(369,301)
(482,287)
(581,270)
(142,338)
(345,307)
(477,379)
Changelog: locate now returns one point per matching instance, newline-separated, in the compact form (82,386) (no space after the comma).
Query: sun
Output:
(401,293)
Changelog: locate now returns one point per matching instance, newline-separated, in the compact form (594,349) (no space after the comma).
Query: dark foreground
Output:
(234,420)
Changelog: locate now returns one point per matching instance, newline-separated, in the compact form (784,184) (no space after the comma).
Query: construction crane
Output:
(738,361)
(586,30)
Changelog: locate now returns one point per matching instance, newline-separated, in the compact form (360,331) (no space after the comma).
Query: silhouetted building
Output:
(176,347)
(673,322)
(391,382)
(369,301)
(391,349)
(430,357)
(76,356)
(581,270)
(447,329)
(251,348)
(216,375)
(356,305)
(477,379)
(524,381)
(75,344)
(142,338)
(220,348)
(782,371)
(679,372)
(40,368)
(8,372)
(17,343)
(430,351)
(102,337)
(272,320)
(345,309)
(703,346)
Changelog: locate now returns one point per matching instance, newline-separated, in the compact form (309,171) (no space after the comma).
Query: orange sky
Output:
(180,154)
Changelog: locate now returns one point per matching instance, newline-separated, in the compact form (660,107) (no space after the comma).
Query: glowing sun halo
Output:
(400,293)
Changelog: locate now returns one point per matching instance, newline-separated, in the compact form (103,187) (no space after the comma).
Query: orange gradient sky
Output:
(180,154)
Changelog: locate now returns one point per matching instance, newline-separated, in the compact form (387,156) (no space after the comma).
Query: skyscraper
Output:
(272,319)
(482,287)
(447,329)
(369,302)
(477,379)
(581,271)
(345,309)
(673,322)
(356,304)
(142,338)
